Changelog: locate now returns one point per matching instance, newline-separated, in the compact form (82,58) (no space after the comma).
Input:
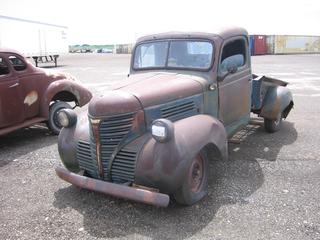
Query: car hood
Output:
(143,90)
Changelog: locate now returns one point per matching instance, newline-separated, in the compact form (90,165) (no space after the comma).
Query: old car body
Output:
(150,137)
(31,95)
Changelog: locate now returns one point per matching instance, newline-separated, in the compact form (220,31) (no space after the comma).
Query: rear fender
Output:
(81,95)
(277,99)
(164,165)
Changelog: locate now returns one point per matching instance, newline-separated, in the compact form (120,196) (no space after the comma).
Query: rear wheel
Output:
(195,185)
(274,125)
(53,122)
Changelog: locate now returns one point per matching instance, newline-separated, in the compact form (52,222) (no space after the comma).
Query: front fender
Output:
(163,165)
(81,94)
(278,99)
(68,139)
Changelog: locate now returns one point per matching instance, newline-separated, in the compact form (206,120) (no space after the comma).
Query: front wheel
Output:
(53,122)
(195,185)
(274,125)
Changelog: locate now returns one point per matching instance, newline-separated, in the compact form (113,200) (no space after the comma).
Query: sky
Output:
(123,21)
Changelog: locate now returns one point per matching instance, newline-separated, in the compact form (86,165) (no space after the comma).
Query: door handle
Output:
(14,85)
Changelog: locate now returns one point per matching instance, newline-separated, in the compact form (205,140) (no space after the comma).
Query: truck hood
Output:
(156,88)
(144,90)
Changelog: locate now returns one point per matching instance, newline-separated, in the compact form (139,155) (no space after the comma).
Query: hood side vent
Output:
(178,111)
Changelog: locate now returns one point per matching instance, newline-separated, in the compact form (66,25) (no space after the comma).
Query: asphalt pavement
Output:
(268,189)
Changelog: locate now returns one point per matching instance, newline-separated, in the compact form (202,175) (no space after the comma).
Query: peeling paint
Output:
(31,98)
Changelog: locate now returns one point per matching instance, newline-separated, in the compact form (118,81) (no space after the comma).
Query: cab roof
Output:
(223,33)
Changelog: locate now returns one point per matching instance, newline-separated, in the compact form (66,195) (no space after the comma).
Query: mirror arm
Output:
(221,78)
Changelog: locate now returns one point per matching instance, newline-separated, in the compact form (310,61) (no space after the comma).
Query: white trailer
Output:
(43,42)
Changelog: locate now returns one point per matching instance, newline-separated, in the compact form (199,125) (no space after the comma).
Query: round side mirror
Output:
(232,68)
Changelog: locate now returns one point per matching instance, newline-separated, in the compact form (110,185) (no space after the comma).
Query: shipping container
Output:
(251,44)
(296,44)
(270,44)
(41,41)
(260,45)
(124,48)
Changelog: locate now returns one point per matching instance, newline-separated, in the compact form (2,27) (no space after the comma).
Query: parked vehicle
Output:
(43,42)
(30,95)
(104,50)
(150,137)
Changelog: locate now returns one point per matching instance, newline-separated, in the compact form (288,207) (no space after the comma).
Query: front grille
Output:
(85,159)
(123,166)
(178,111)
(112,131)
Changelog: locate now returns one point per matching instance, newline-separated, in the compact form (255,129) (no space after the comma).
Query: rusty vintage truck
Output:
(150,136)
(30,95)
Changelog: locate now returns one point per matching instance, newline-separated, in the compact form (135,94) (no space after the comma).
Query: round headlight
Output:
(67,117)
(162,130)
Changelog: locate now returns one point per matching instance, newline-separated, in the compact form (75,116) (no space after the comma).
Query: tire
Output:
(54,109)
(195,185)
(272,126)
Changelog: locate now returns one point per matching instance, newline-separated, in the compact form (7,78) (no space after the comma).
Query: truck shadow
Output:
(24,141)
(232,181)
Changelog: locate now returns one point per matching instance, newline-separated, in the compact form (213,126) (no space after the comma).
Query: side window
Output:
(4,69)
(17,63)
(234,53)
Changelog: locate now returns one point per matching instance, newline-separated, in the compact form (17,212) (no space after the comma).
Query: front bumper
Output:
(115,190)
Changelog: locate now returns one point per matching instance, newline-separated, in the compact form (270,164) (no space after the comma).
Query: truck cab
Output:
(151,135)
(222,66)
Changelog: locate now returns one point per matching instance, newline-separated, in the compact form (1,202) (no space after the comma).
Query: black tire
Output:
(272,126)
(53,123)
(195,185)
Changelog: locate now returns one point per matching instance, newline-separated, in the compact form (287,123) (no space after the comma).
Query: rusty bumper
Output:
(115,190)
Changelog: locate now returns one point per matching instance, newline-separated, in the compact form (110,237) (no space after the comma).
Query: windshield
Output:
(181,54)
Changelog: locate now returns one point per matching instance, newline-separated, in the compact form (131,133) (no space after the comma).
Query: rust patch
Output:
(95,123)
(31,98)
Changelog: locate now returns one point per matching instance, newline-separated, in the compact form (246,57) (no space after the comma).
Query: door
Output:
(234,84)
(11,106)
(30,85)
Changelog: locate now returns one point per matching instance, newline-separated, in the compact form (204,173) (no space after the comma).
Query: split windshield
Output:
(184,54)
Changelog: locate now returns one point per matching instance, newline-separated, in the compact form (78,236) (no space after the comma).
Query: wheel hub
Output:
(196,174)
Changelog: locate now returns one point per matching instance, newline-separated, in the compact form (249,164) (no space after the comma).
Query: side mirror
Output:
(231,69)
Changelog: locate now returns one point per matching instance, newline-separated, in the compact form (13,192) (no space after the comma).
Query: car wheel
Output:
(274,125)
(53,122)
(195,185)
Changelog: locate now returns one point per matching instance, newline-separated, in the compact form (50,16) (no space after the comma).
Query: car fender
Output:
(68,139)
(277,99)
(164,165)
(81,94)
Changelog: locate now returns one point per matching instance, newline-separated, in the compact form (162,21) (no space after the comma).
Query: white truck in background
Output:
(43,42)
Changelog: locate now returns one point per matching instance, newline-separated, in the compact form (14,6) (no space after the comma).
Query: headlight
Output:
(162,130)
(67,117)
